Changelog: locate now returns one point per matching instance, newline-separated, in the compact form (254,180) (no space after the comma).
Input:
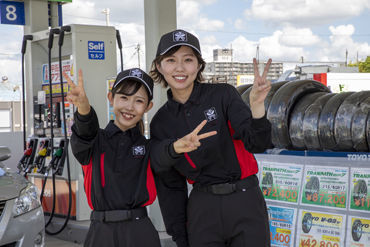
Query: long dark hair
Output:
(129,88)
(159,78)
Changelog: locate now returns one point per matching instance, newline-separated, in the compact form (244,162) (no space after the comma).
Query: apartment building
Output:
(224,69)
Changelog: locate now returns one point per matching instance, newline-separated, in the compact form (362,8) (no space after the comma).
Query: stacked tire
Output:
(306,115)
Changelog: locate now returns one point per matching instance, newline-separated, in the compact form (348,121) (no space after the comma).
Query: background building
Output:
(224,70)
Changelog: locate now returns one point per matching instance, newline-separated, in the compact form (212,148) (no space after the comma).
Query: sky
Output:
(286,31)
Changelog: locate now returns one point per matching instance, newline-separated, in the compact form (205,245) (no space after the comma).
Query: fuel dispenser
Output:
(86,47)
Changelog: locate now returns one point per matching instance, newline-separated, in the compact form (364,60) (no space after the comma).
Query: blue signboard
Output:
(12,13)
(96,50)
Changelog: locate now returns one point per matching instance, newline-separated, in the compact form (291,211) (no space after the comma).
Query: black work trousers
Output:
(238,219)
(130,233)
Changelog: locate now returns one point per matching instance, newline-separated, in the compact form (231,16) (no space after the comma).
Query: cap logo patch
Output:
(138,150)
(136,73)
(210,114)
(180,36)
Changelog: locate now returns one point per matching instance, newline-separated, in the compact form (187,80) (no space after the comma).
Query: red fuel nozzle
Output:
(28,152)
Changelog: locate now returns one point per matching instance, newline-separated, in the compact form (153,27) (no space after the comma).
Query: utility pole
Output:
(346,56)
(258,54)
(138,54)
(106,11)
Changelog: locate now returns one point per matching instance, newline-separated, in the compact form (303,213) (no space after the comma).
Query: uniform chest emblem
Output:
(210,114)
(138,151)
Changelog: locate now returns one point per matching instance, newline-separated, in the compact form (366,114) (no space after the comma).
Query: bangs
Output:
(127,87)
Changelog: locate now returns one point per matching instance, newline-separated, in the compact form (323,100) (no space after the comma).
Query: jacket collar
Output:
(113,129)
(193,99)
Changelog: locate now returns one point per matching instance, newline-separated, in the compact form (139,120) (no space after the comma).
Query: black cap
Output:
(135,74)
(177,38)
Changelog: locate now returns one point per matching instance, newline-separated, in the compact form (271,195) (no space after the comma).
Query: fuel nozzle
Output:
(23,161)
(57,163)
(43,152)
(26,161)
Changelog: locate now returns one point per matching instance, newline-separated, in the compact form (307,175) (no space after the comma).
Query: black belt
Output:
(228,188)
(119,215)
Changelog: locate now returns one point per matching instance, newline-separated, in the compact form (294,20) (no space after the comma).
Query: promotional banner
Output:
(358,232)
(281,182)
(325,186)
(359,198)
(319,229)
(67,67)
(282,225)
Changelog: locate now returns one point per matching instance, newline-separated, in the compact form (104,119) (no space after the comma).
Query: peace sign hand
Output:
(261,86)
(77,95)
(191,141)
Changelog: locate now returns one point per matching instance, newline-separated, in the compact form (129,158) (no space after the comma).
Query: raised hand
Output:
(77,95)
(261,87)
(191,141)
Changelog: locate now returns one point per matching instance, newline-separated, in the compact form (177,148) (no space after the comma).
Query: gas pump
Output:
(92,49)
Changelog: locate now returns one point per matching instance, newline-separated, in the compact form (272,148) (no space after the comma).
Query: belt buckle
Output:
(223,189)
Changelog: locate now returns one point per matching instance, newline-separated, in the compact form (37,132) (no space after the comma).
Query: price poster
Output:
(282,226)
(111,116)
(319,229)
(358,232)
(280,182)
(67,67)
(360,198)
(325,186)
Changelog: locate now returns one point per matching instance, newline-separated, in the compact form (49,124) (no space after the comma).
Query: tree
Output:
(364,67)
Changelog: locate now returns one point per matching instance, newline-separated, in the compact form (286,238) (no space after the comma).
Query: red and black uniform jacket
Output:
(116,166)
(224,157)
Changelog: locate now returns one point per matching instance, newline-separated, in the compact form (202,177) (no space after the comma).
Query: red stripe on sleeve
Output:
(247,162)
(87,169)
(102,177)
(190,161)
(150,185)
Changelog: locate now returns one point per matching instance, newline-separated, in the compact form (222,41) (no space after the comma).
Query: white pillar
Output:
(160,18)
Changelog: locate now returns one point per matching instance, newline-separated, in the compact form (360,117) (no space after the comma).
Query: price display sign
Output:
(282,225)
(360,191)
(280,182)
(325,186)
(319,229)
(358,232)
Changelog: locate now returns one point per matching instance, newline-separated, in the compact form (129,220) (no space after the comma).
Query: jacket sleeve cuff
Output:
(260,123)
(84,118)
(172,152)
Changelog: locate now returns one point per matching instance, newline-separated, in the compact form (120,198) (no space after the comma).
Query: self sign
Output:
(12,13)
(96,50)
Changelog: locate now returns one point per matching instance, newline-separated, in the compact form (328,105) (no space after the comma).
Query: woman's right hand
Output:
(77,95)
(191,141)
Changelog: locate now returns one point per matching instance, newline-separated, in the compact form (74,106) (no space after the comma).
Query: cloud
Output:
(132,34)
(239,24)
(189,15)
(341,41)
(292,36)
(269,47)
(302,12)
(82,12)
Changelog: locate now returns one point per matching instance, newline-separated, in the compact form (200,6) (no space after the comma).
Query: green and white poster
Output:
(281,182)
(325,186)
(360,198)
